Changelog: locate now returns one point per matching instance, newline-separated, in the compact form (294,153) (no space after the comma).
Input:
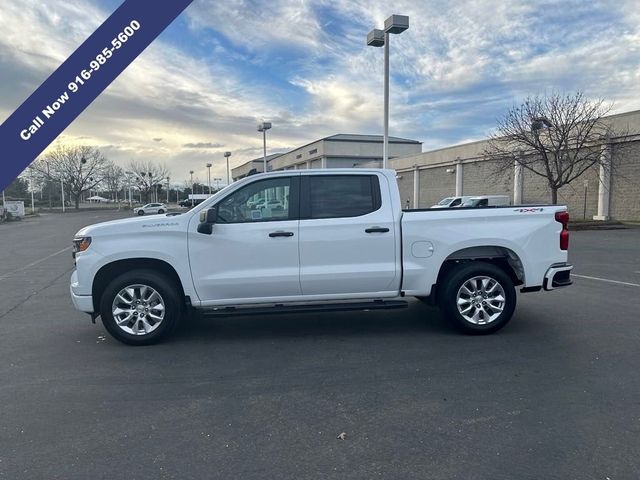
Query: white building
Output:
(336,151)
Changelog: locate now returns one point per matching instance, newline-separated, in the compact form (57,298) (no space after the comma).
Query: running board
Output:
(314,308)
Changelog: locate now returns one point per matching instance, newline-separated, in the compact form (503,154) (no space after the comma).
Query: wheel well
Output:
(111,270)
(501,257)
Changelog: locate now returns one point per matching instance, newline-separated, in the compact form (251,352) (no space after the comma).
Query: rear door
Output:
(347,236)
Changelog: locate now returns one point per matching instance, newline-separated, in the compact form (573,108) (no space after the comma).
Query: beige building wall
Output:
(625,181)
(480,177)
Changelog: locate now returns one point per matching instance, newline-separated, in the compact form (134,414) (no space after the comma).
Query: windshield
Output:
(445,201)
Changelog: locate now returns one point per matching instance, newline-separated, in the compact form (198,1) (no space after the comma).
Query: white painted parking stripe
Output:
(33,264)
(607,280)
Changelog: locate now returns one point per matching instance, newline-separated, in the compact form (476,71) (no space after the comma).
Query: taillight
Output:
(563,218)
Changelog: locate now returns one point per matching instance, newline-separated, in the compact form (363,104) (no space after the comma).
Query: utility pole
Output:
(227,155)
(62,193)
(191,173)
(263,127)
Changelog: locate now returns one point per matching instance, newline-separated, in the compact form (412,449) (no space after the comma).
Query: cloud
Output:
(203,145)
(304,66)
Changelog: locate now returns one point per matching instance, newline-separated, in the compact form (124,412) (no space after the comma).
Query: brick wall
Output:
(480,178)
(484,178)
(625,181)
(435,184)
(405,184)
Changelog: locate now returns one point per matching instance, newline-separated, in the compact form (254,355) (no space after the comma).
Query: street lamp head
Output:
(208,165)
(264,126)
(227,154)
(375,38)
(396,24)
(191,172)
(538,123)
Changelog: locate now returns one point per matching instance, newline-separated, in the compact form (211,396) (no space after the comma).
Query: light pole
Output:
(537,124)
(151,186)
(378,38)
(62,192)
(263,127)
(128,174)
(33,209)
(209,177)
(168,188)
(191,173)
(228,154)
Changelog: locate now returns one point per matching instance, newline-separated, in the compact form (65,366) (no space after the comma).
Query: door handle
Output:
(281,234)
(377,230)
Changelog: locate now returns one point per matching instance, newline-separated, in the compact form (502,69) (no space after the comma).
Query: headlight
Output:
(80,244)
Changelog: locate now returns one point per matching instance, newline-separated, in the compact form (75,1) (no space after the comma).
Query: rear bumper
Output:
(558,275)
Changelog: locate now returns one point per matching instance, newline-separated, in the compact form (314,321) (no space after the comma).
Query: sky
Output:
(223,66)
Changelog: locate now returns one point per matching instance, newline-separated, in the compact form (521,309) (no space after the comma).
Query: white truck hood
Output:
(135,225)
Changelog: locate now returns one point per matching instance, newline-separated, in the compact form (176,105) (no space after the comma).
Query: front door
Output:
(252,253)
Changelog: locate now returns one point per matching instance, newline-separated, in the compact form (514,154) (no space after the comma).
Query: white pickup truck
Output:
(335,239)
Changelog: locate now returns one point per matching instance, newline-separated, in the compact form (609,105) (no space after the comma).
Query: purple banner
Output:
(79,80)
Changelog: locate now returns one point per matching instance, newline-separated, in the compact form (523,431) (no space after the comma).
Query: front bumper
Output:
(558,275)
(84,303)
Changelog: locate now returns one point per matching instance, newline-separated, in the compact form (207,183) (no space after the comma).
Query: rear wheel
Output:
(477,297)
(140,307)
(161,211)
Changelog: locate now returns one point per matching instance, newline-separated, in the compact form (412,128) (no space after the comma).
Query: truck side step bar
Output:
(314,308)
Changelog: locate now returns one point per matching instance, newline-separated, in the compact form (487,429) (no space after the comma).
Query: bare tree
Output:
(556,137)
(113,179)
(147,176)
(80,167)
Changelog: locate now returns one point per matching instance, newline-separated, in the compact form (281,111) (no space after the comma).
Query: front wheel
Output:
(140,212)
(140,307)
(478,297)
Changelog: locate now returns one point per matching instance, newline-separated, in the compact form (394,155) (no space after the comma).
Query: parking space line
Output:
(607,280)
(33,264)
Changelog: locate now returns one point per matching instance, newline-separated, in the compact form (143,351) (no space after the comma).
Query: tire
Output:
(127,297)
(160,212)
(140,212)
(484,312)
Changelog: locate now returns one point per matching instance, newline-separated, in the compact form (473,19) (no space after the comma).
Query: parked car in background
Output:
(450,202)
(273,203)
(487,201)
(189,203)
(151,208)
(341,242)
(255,203)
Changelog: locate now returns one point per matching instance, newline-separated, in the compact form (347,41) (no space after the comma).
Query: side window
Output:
(262,201)
(483,203)
(333,196)
(456,202)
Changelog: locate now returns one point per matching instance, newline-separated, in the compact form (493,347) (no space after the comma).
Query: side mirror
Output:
(207,219)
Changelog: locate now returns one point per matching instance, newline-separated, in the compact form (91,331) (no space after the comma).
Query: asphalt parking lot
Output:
(553,395)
